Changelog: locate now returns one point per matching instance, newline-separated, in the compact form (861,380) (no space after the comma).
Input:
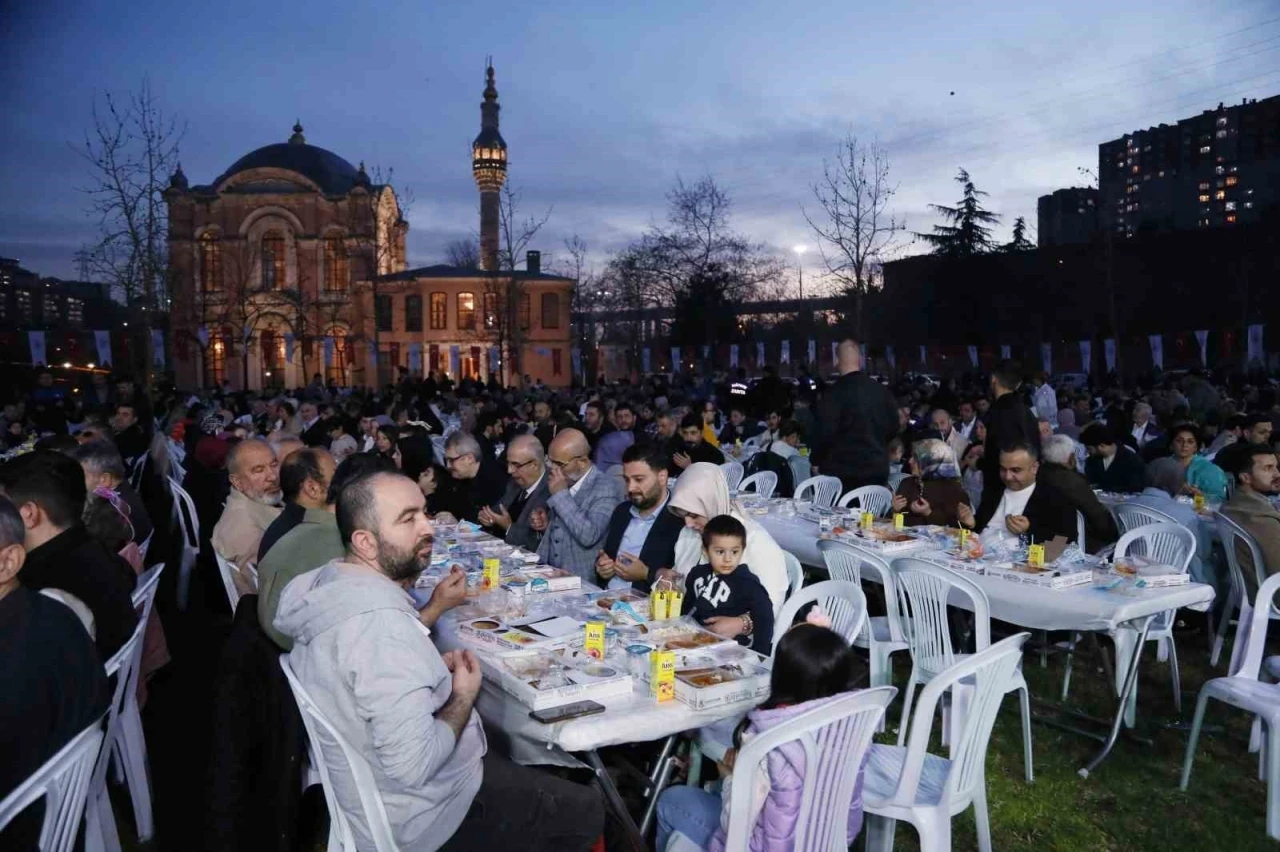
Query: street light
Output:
(800,250)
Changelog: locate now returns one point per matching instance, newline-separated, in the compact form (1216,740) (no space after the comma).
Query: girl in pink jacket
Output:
(811,666)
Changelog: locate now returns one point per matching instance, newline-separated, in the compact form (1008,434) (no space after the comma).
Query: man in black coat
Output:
(690,446)
(49,491)
(856,420)
(526,493)
(641,540)
(1025,505)
(474,481)
(1058,472)
(1008,422)
(1111,465)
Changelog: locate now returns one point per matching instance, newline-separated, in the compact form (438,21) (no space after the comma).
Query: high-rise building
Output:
(1067,216)
(1216,169)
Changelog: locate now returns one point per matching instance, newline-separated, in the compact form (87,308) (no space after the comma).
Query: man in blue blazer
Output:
(641,540)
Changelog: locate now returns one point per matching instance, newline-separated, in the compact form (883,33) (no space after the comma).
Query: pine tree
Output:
(1019,241)
(967,232)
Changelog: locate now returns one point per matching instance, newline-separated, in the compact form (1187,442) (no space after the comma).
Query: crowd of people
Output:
(322,505)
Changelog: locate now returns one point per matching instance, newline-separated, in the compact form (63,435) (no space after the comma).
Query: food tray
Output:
(558,580)
(1049,577)
(541,679)
(497,634)
(721,676)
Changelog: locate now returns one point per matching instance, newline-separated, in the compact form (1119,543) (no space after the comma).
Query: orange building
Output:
(292,262)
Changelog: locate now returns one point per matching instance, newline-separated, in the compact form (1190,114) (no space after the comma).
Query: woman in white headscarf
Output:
(702,493)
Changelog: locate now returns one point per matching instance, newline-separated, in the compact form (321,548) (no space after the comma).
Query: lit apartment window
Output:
(1222,121)
(1234,169)
(1204,184)
(1231,219)
(1232,180)
(1220,195)
(24,305)
(1230,206)
(1217,170)
(1204,149)
(1137,169)
(1222,134)
(1204,196)
(1248,205)
(1204,223)
(75,311)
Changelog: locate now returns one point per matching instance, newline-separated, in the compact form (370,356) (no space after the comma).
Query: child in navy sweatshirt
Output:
(724,596)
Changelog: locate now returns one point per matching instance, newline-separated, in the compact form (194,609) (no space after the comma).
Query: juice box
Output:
(492,569)
(662,675)
(665,604)
(1035,555)
(868,520)
(899,521)
(1198,501)
(593,642)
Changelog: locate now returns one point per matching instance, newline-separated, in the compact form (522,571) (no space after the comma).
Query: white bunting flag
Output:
(924,359)
(455,361)
(1046,357)
(645,360)
(865,358)
(675,359)
(157,348)
(103,340)
(813,352)
(328,351)
(1109,353)
(575,358)
(288,348)
(415,357)
(1157,351)
(373,353)
(202,334)
(973,356)
(1255,353)
(784,356)
(1086,356)
(889,356)
(706,352)
(835,353)
(759,354)
(1006,351)
(1202,337)
(36,341)
(733,356)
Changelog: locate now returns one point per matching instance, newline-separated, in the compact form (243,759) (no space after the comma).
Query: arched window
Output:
(272,352)
(336,268)
(335,370)
(273,261)
(215,360)
(210,263)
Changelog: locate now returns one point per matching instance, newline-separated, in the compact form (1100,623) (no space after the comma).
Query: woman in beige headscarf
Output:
(700,494)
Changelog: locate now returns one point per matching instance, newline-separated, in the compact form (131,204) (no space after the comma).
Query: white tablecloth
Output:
(629,719)
(1082,608)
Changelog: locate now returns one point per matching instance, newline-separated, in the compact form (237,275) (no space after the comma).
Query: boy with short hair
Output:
(723,595)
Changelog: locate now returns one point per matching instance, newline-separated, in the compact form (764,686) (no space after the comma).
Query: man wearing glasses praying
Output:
(581,501)
(526,493)
(475,482)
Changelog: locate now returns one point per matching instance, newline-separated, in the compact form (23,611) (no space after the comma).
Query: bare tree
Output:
(463,253)
(504,311)
(855,230)
(131,150)
(378,229)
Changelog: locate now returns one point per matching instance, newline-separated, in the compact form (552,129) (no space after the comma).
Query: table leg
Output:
(614,799)
(1130,683)
(658,779)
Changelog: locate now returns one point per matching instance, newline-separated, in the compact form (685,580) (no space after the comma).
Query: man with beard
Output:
(610,448)
(362,653)
(597,424)
(641,540)
(254,502)
(692,446)
(1257,479)
(581,501)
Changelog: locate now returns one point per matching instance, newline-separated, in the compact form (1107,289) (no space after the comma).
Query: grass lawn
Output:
(1132,800)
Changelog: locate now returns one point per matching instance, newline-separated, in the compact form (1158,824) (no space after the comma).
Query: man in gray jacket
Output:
(578,511)
(366,658)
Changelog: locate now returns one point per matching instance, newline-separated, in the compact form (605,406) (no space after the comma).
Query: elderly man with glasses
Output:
(475,481)
(526,494)
(581,502)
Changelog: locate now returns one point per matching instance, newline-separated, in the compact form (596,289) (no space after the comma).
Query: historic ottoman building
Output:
(292,262)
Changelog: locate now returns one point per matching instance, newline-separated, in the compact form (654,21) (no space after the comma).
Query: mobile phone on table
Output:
(550,715)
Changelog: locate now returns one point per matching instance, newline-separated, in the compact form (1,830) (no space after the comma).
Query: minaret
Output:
(489,165)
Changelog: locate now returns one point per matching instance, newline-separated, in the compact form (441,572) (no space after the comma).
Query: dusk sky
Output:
(604,104)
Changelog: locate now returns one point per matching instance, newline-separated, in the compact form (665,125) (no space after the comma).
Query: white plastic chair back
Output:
(795,573)
(100,822)
(875,499)
(135,471)
(923,592)
(895,479)
(146,544)
(842,601)
(754,440)
(63,782)
(732,471)
(988,674)
(762,483)
(801,468)
(331,751)
(1232,534)
(1130,516)
(1080,532)
(1256,638)
(1165,543)
(820,490)
(847,562)
(184,513)
(144,593)
(835,736)
(225,571)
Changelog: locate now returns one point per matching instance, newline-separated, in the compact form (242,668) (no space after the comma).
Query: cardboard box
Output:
(662,675)
(1049,577)
(542,679)
(497,634)
(557,580)
(729,676)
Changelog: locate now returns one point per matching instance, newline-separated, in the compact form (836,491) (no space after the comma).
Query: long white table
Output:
(1125,616)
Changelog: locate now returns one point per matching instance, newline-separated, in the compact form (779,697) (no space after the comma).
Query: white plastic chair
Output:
(795,573)
(924,590)
(835,737)
(883,634)
(1242,689)
(842,601)
(1167,544)
(927,790)
(895,479)
(63,783)
(146,544)
(130,747)
(732,471)
(875,499)
(330,751)
(1233,537)
(762,483)
(100,833)
(226,571)
(137,466)
(1130,516)
(820,490)
(188,522)
(1081,529)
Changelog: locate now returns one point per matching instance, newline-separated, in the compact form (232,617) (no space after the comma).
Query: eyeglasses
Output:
(515,465)
(448,460)
(566,462)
